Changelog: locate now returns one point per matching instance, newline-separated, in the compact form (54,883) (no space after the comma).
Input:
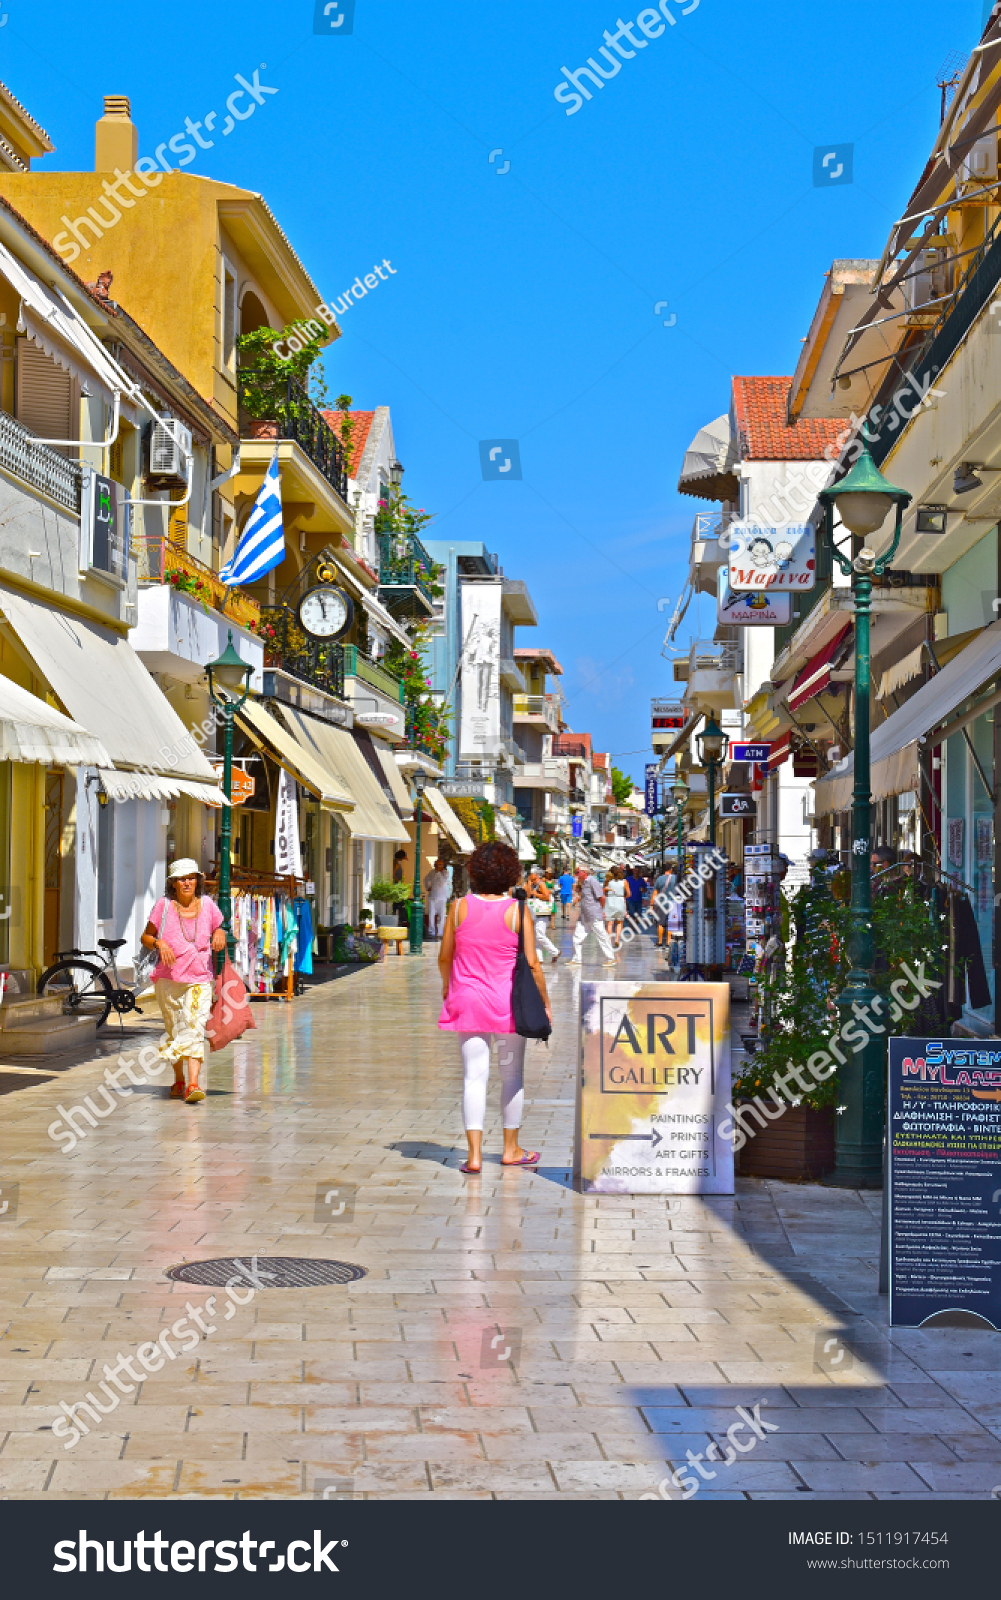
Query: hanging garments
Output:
(304,948)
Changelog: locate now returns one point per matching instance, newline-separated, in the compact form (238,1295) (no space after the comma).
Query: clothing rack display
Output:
(267,925)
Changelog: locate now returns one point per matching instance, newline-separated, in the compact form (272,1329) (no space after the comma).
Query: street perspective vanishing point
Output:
(500,853)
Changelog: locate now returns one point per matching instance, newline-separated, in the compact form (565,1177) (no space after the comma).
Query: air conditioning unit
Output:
(169,452)
(980,164)
(928,280)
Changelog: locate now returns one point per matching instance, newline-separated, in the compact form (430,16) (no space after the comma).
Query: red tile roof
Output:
(361,422)
(759,408)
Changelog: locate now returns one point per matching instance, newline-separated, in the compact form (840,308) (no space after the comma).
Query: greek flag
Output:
(262,543)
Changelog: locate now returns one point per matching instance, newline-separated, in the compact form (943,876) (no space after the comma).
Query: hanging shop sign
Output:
(944,1156)
(737,805)
(651,789)
(750,752)
(759,608)
(653,1088)
(772,556)
(242,785)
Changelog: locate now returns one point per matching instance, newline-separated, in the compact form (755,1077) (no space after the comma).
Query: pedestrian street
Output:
(510,1338)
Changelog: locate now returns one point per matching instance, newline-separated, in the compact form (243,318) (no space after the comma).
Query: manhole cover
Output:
(266,1272)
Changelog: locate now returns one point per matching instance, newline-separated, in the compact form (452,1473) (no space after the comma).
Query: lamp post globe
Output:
(229,686)
(864,499)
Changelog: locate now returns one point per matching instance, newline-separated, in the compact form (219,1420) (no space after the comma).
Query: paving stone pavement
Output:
(511,1340)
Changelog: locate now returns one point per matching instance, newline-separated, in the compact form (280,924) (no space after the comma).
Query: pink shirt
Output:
(479,990)
(190,938)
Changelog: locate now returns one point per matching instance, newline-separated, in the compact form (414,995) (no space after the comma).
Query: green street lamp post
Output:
(863,498)
(680,791)
(713,745)
(229,686)
(417,903)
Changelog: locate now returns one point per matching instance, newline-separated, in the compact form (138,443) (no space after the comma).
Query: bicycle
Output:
(86,990)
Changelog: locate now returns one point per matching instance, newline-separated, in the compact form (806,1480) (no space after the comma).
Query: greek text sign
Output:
(945,1182)
(758,609)
(779,556)
(653,1086)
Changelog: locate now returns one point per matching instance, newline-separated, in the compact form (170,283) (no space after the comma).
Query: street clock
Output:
(326,612)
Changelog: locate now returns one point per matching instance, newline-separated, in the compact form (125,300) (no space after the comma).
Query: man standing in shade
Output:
(591,900)
(436,887)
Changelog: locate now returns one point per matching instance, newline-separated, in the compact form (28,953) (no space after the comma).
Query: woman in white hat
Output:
(184,928)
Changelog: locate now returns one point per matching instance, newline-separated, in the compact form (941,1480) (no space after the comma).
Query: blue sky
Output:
(522,303)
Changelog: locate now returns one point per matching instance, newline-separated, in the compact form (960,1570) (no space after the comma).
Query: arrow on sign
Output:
(987,1094)
(653,1139)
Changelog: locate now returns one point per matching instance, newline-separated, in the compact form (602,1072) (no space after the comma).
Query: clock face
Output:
(325,612)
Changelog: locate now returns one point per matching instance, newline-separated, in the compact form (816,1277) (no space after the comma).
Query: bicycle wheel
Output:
(85,990)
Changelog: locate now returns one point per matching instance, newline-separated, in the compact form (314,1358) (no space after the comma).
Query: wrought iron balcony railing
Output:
(280,408)
(405,575)
(312,661)
(160,560)
(359,665)
(38,465)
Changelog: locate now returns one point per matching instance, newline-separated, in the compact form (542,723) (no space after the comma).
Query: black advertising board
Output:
(944,1168)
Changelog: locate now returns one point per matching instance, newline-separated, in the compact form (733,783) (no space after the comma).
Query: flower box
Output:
(262,428)
(797,1146)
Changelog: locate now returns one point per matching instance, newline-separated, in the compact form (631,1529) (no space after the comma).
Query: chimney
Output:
(117,142)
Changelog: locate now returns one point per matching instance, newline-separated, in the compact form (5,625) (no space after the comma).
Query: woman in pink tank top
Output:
(476,961)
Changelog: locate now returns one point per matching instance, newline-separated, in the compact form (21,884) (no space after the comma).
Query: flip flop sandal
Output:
(474,1172)
(193,1096)
(526,1161)
(178,1090)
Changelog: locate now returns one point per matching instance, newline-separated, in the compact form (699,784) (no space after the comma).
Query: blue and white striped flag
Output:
(262,543)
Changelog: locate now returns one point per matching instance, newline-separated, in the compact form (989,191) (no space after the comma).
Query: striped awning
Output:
(816,675)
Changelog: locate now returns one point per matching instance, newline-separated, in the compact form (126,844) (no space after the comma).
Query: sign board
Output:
(755,608)
(466,788)
(944,1149)
(578,826)
(669,715)
(104,525)
(757,850)
(777,556)
(651,800)
(737,805)
(750,752)
(479,711)
(653,1089)
(242,785)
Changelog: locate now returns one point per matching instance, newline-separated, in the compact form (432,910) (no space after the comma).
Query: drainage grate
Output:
(266,1272)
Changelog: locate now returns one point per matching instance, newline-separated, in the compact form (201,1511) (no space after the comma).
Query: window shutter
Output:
(43,393)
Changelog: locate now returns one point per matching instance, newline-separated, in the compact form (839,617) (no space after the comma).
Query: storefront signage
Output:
(466,788)
(737,805)
(759,608)
(945,1182)
(651,800)
(578,826)
(242,785)
(777,556)
(750,752)
(653,1088)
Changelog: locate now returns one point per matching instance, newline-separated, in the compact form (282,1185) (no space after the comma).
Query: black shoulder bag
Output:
(530,1019)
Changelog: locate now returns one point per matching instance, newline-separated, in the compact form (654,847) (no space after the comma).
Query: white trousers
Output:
(476,1071)
(542,936)
(600,932)
(436,918)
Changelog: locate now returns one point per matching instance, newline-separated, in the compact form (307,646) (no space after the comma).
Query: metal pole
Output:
(862,1077)
(225,897)
(417,904)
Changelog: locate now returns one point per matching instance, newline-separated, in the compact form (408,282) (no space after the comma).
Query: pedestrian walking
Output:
(437,885)
(635,890)
(591,919)
(184,927)
(615,905)
(476,962)
(540,904)
(566,893)
(663,886)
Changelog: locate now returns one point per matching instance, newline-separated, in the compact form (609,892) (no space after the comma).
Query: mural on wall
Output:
(480,729)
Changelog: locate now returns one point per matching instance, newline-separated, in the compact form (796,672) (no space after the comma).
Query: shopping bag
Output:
(231,1015)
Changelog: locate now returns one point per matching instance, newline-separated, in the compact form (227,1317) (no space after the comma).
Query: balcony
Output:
(163,561)
(359,665)
(711,669)
(374,694)
(311,661)
(538,710)
(39,466)
(574,749)
(276,408)
(405,576)
(551,774)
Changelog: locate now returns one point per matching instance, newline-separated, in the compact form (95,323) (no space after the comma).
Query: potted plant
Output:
(389,896)
(272,389)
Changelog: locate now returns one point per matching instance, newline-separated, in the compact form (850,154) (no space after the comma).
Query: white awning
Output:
(707,470)
(394,779)
(894,744)
(58,329)
(526,849)
(449,822)
(302,762)
(505,830)
(104,686)
(30,730)
(373,816)
(145,786)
